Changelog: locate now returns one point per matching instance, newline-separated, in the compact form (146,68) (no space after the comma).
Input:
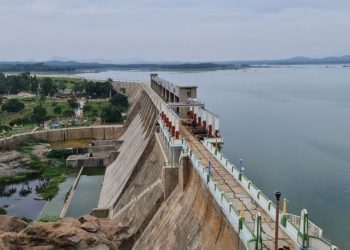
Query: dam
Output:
(175,189)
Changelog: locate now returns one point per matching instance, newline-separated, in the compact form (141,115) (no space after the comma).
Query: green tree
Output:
(39,114)
(34,84)
(73,103)
(120,100)
(47,87)
(62,86)
(78,87)
(89,110)
(13,105)
(99,89)
(111,114)
(57,109)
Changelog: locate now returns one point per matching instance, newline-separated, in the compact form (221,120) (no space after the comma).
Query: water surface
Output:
(20,199)
(87,192)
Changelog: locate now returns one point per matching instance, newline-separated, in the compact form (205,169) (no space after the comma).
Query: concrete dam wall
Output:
(189,219)
(159,215)
(96,132)
(135,141)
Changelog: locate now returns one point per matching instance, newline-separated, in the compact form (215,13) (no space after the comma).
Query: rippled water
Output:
(291,126)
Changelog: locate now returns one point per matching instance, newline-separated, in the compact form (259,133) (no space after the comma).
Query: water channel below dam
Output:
(21,199)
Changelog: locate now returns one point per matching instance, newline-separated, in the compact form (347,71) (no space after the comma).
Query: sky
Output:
(172,30)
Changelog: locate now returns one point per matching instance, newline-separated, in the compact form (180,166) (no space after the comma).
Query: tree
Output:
(57,109)
(39,114)
(73,103)
(120,100)
(111,113)
(78,87)
(47,87)
(89,110)
(13,105)
(99,89)
(62,86)
(34,84)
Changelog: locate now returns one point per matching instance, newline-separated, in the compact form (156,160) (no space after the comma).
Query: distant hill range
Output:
(298,60)
(75,66)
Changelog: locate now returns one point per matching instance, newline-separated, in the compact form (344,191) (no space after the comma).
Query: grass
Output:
(74,143)
(54,174)
(49,218)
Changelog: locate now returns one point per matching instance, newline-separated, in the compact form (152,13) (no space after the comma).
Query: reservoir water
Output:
(291,127)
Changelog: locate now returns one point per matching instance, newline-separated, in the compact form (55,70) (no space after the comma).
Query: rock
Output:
(84,233)
(99,247)
(11,224)
(89,227)
(75,239)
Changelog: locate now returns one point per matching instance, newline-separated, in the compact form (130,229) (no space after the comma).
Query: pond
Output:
(21,199)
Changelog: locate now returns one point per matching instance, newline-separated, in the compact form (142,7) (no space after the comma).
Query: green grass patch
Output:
(54,174)
(49,218)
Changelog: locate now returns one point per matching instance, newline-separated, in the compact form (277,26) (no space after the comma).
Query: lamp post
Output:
(278,196)
(241,169)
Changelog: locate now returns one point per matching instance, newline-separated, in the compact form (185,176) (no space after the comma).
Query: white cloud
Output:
(173,29)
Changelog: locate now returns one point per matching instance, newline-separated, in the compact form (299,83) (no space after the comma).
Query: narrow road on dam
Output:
(235,192)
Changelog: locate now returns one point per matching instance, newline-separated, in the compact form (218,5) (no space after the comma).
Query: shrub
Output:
(68,112)
(3,211)
(26,219)
(20,120)
(60,154)
(13,105)
(5,128)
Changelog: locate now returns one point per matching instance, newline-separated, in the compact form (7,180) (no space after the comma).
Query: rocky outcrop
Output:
(12,162)
(84,233)
(11,224)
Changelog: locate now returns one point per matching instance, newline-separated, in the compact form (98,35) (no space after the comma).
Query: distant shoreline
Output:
(78,68)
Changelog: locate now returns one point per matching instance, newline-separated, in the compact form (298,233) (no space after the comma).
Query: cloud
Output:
(173,29)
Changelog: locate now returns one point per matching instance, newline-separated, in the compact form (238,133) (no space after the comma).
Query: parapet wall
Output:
(96,132)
